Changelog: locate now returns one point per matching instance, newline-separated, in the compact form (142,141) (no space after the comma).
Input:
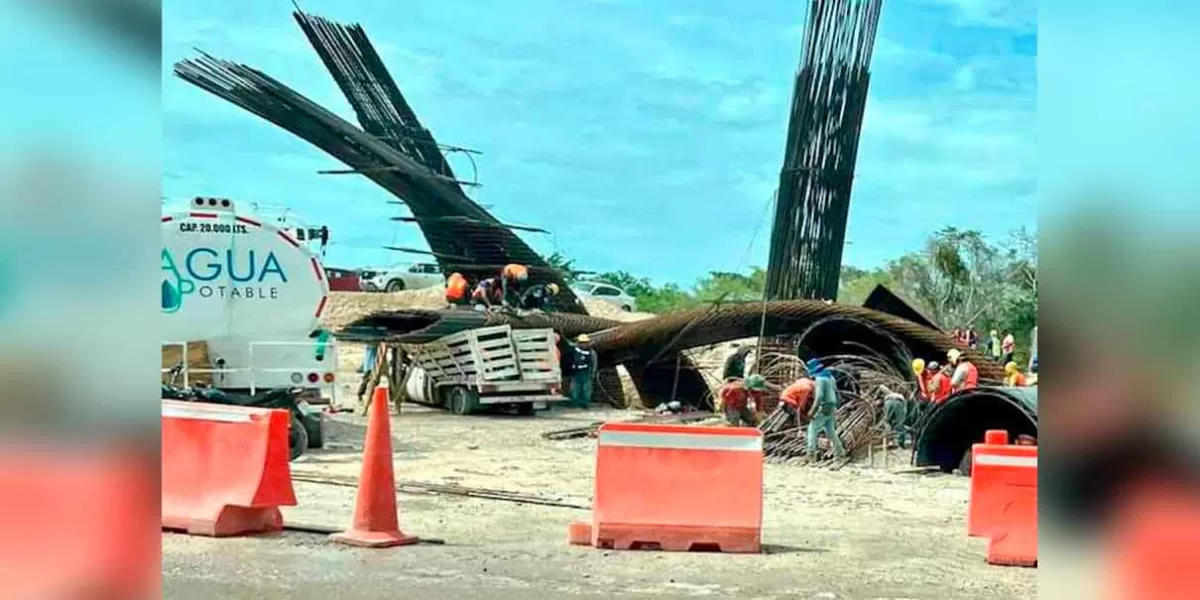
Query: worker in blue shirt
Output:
(824,409)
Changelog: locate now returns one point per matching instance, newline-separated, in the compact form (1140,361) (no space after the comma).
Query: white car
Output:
(398,278)
(608,293)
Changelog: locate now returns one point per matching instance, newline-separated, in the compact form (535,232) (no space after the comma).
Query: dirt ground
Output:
(860,532)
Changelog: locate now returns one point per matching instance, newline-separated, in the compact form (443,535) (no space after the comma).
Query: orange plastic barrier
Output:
(78,522)
(224,468)
(998,470)
(1014,539)
(678,488)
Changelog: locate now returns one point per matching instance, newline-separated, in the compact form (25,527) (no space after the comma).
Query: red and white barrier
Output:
(675,487)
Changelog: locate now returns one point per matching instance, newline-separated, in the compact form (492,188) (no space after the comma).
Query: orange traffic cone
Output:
(376,523)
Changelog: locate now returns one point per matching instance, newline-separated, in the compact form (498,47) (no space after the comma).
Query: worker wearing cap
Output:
(966,375)
(895,413)
(512,278)
(736,397)
(824,409)
(1014,376)
(538,296)
(457,290)
(583,369)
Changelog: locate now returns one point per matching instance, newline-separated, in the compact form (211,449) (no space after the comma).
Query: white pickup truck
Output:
(489,366)
(397,278)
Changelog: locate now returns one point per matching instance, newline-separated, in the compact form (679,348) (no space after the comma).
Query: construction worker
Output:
(918,369)
(796,399)
(512,278)
(487,293)
(966,375)
(457,290)
(1014,376)
(895,413)
(735,364)
(823,411)
(1008,347)
(939,384)
(538,296)
(583,369)
(366,368)
(994,345)
(736,398)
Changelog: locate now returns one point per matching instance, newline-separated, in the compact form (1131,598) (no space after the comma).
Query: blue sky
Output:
(647,136)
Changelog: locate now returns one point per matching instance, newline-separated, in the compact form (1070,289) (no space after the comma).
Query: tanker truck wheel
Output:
(297,438)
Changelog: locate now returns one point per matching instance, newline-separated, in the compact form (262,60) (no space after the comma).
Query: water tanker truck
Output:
(252,294)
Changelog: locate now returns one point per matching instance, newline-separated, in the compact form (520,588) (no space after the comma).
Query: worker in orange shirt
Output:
(1015,378)
(796,399)
(457,290)
(939,385)
(512,277)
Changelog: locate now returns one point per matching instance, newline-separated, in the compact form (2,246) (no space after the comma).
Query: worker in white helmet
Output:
(966,375)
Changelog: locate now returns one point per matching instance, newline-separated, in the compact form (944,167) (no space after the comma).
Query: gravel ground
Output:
(860,532)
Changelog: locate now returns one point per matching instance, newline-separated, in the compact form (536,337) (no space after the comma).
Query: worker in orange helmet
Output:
(512,278)
(457,290)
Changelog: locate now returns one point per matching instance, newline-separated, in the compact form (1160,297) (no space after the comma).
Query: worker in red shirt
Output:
(796,399)
(939,385)
(736,396)
(966,375)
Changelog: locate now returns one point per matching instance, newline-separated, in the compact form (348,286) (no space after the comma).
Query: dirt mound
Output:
(345,307)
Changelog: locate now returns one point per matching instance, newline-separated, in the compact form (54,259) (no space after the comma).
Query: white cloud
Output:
(1020,15)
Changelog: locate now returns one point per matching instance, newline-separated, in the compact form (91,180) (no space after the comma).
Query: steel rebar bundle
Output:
(395,152)
(828,102)
(828,329)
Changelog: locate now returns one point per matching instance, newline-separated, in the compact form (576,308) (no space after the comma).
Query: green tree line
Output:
(959,278)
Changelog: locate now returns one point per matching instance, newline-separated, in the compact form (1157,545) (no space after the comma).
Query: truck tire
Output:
(395,285)
(627,308)
(525,409)
(297,438)
(462,401)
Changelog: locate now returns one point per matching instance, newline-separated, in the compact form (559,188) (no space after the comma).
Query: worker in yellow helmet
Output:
(583,366)
(1013,376)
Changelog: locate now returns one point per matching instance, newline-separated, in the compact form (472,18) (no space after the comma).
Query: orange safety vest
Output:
(972,381)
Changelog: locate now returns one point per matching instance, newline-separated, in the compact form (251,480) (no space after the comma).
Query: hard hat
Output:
(583,338)
(552,288)
(756,382)
(953,355)
(994,334)
(814,366)
(934,365)
(1010,368)
(918,365)
(515,271)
